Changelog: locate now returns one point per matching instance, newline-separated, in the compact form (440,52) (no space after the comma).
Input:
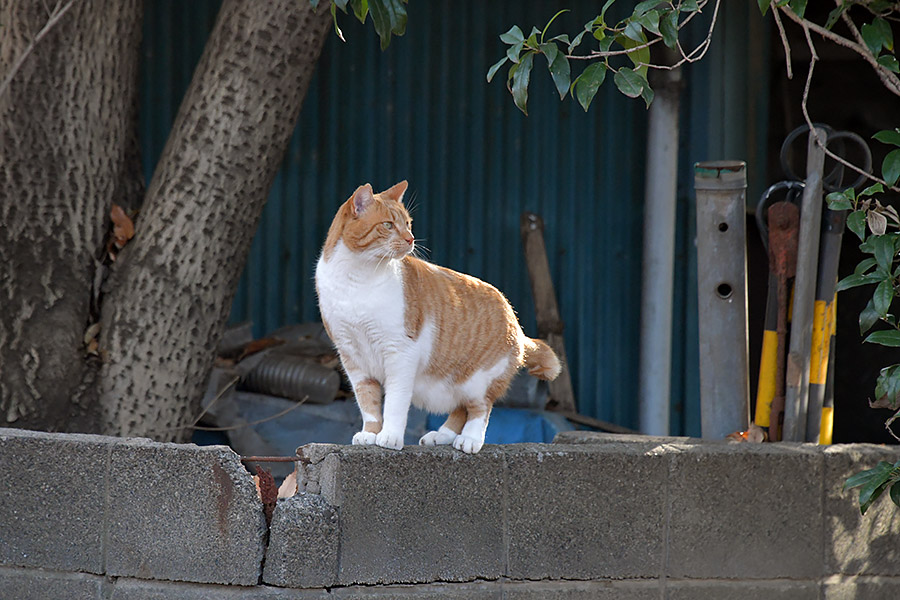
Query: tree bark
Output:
(67,121)
(172,287)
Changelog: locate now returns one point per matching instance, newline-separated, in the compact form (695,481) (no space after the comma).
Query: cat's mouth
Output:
(399,250)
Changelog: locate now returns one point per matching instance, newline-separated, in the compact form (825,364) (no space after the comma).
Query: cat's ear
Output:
(396,192)
(361,199)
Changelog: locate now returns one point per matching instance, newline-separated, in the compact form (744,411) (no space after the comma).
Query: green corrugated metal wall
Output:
(422,111)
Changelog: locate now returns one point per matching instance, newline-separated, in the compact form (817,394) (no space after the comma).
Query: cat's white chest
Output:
(364,308)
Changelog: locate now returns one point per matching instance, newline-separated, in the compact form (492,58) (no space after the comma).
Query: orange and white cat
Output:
(409,331)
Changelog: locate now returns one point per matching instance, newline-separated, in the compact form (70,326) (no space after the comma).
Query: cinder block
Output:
(584,511)
(728,590)
(599,437)
(859,544)
(52,493)
(415,516)
(33,584)
(183,513)
(303,543)
(745,511)
(582,590)
(488,590)
(861,588)
(139,589)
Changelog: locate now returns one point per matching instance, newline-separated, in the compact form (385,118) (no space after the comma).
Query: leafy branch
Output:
(651,22)
(873,482)
(388,16)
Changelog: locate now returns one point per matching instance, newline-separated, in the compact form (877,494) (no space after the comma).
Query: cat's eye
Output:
(388,225)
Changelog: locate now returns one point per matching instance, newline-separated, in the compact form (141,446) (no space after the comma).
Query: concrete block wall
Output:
(592,516)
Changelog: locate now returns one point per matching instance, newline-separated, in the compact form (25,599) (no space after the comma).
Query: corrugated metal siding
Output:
(422,111)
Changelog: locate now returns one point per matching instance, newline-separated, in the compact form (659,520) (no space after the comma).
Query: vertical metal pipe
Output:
(797,377)
(661,186)
(722,297)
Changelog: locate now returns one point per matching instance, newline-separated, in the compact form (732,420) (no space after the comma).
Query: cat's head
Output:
(377,226)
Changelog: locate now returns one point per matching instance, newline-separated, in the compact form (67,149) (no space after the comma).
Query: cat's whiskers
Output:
(420,250)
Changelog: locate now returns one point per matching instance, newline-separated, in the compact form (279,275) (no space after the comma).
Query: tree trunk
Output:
(172,287)
(67,126)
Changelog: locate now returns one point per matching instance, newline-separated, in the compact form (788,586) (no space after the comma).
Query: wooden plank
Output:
(549,323)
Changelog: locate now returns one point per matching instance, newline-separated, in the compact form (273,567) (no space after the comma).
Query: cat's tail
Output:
(540,360)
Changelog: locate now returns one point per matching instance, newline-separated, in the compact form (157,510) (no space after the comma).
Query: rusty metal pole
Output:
(797,379)
(722,297)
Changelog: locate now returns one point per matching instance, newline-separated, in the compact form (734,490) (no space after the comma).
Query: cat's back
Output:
(464,309)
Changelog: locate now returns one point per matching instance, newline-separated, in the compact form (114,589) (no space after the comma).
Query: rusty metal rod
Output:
(797,379)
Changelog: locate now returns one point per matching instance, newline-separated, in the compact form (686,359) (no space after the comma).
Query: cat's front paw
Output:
(390,439)
(441,437)
(467,444)
(363,438)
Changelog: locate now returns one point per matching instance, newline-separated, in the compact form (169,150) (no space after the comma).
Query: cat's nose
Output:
(409,240)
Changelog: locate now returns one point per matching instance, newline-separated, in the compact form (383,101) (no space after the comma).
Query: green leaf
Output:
(889,62)
(872,36)
(574,43)
(496,67)
(867,318)
(874,486)
(559,68)
(888,136)
(861,478)
(512,53)
(640,58)
(360,9)
(764,5)
(389,17)
(645,6)
(668,28)
(887,387)
(895,493)
(647,94)
(881,301)
(587,84)
(603,10)
(650,21)
(550,51)
(629,83)
(852,281)
(834,15)
(884,31)
(520,81)
(883,247)
(689,6)
(798,6)
(838,201)
(864,265)
(890,168)
(887,337)
(872,189)
(869,494)
(341,4)
(856,222)
(634,32)
(513,36)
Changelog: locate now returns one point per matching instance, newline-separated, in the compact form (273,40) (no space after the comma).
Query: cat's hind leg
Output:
(368,398)
(448,431)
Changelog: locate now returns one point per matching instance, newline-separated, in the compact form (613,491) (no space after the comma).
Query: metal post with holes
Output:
(721,188)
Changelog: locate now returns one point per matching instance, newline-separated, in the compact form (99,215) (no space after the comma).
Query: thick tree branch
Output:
(52,20)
